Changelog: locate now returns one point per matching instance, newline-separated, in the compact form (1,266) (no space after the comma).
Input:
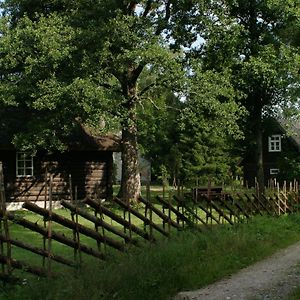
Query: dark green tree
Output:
(159,133)
(208,126)
(265,67)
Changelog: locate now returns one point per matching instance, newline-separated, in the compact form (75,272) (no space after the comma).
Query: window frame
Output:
(274,143)
(274,171)
(21,159)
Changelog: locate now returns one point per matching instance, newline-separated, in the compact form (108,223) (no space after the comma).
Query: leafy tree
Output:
(264,66)
(68,62)
(158,133)
(209,126)
(65,61)
(190,135)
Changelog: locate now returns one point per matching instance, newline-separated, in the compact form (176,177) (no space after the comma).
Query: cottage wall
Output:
(271,159)
(91,173)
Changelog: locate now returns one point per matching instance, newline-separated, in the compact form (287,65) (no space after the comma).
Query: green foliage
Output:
(249,38)
(289,166)
(208,126)
(112,64)
(158,132)
(36,63)
(197,127)
(62,62)
(252,45)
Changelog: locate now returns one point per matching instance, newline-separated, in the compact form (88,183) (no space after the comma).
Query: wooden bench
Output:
(210,192)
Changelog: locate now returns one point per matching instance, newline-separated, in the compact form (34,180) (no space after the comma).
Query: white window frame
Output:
(24,159)
(274,171)
(275,143)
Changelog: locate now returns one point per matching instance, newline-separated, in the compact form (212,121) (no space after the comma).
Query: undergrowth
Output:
(188,260)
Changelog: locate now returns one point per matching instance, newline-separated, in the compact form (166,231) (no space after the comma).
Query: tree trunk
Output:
(259,151)
(130,182)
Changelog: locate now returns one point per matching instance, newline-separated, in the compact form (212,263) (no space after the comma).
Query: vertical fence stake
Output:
(148,196)
(146,213)
(163,207)
(76,221)
(124,217)
(96,215)
(169,211)
(45,207)
(72,214)
(50,225)
(5,222)
(73,217)
(102,218)
(2,246)
(196,196)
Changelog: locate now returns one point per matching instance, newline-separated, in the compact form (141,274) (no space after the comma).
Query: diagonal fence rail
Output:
(96,229)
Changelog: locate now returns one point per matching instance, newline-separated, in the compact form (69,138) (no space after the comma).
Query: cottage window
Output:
(275,143)
(274,171)
(24,164)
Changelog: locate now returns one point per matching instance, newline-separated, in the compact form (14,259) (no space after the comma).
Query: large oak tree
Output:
(64,62)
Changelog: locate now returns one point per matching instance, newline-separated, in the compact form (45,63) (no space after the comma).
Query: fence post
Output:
(45,207)
(148,196)
(74,217)
(76,220)
(50,225)
(163,207)
(169,210)
(196,196)
(5,222)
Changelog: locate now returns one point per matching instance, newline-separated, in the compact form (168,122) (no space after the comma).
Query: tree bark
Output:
(130,182)
(259,151)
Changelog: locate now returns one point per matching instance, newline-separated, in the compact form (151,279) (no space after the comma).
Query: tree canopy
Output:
(176,74)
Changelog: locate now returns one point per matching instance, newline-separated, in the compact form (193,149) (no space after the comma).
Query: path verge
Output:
(272,278)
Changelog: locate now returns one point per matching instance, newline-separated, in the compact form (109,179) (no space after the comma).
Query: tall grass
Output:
(190,260)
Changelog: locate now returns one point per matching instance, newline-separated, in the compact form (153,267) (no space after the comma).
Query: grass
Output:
(295,295)
(190,260)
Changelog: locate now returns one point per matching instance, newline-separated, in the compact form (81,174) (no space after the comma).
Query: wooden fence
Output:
(109,231)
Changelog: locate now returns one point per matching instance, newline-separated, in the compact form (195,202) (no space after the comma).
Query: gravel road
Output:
(273,278)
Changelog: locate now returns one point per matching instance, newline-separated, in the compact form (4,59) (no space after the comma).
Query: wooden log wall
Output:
(91,170)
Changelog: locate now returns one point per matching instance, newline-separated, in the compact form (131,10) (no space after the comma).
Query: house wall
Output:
(91,172)
(271,159)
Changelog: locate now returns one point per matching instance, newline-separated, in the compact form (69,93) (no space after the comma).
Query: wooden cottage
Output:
(281,141)
(88,161)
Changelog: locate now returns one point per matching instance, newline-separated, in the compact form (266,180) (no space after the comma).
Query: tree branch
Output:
(153,104)
(147,88)
(153,84)
(137,72)
(168,11)
(110,87)
(131,7)
(164,23)
(147,8)
(106,85)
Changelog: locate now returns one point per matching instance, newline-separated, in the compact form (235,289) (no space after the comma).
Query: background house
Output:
(281,145)
(88,159)
(144,168)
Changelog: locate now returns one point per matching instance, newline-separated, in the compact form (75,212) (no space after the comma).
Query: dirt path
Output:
(272,278)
